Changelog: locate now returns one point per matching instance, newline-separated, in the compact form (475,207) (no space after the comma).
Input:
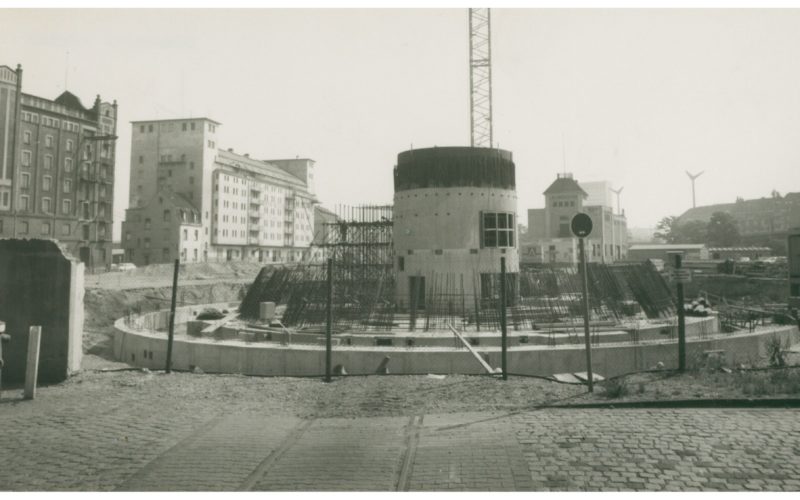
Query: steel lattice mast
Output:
(480,77)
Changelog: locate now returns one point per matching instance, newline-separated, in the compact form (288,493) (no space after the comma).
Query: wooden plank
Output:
(216,325)
(566,377)
(32,363)
(583,376)
(472,350)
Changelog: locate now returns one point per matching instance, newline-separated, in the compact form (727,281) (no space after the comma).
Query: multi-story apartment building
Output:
(213,204)
(57,169)
(761,221)
(549,238)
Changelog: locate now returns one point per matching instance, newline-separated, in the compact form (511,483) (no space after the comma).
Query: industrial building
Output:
(455,214)
(57,161)
(193,201)
(549,239)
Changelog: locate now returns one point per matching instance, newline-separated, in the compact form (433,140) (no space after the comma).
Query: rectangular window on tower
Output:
(497,230)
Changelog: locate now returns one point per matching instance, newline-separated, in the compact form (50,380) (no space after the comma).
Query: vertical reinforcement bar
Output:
(587,336)
(172,315)
(329,322)
(503,329)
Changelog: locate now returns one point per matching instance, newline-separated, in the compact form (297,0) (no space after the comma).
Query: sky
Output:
(634,97)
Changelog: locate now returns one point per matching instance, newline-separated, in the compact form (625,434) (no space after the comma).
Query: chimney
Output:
(247,155)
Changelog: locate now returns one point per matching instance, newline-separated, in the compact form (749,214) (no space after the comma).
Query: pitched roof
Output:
(564,184)
(667,246)
(70,100)
(258,167)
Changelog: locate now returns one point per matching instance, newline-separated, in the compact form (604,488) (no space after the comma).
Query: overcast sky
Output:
(638,96)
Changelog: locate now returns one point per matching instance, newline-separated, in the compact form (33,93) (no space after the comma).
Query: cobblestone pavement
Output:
(124,436)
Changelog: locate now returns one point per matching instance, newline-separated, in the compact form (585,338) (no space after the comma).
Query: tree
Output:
(665,229)
(722,230)
(694,231)
(669,230)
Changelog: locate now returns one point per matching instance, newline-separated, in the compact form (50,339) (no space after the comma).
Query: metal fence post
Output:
(503,329)
(171,337)
(329,322)
(681,316)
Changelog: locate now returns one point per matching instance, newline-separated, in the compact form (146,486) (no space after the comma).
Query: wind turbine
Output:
(693,177)
(617,192)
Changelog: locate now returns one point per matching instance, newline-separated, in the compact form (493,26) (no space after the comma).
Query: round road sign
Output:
(581,225)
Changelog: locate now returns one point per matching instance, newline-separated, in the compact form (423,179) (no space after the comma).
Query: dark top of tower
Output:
(454,167)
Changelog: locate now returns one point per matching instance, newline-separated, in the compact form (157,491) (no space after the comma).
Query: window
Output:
(68,165)
(183,127)
(48,141)
(47,182)
(191,165)
(141,160)
(150,128)
(166,215)
(141,129)
(185,234)
(195,234)
(26,137)
(191,180)
(66,207)
(497,230)
(103,191)
(147,225)
(147,242)
(23,227)
(69,144)
(25,180)
(46,228)
(26,158)
(67,185)
(66,229)
(401,263)
(48,162)
(46,205)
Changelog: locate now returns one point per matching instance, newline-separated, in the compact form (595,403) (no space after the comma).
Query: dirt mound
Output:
(102,307)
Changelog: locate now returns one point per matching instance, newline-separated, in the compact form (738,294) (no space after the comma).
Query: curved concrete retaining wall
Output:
(148,349)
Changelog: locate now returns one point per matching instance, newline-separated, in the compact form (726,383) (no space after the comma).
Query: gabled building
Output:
(549,238)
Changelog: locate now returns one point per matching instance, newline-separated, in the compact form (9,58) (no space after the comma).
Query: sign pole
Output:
(581,227)
(585,285)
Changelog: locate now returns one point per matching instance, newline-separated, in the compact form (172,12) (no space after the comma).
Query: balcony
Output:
(254,213)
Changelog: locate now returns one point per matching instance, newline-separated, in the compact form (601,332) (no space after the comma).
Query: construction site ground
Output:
(108,428)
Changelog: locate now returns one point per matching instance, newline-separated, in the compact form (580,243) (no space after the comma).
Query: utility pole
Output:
(692,177)
(329,321)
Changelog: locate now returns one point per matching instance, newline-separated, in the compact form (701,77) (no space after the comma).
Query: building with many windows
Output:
(57,162)
(206,204)
(549,238)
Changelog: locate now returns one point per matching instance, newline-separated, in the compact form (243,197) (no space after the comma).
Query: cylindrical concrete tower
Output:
(454,218)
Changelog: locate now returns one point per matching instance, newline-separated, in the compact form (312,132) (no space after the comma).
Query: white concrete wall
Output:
(307,360)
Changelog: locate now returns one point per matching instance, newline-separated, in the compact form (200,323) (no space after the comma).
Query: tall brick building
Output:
(57,169)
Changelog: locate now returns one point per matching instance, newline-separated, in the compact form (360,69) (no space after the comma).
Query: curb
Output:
(687,403)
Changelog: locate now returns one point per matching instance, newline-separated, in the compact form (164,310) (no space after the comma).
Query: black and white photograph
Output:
(536,247)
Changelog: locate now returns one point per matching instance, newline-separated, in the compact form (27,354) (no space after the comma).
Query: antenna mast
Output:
(480,78)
